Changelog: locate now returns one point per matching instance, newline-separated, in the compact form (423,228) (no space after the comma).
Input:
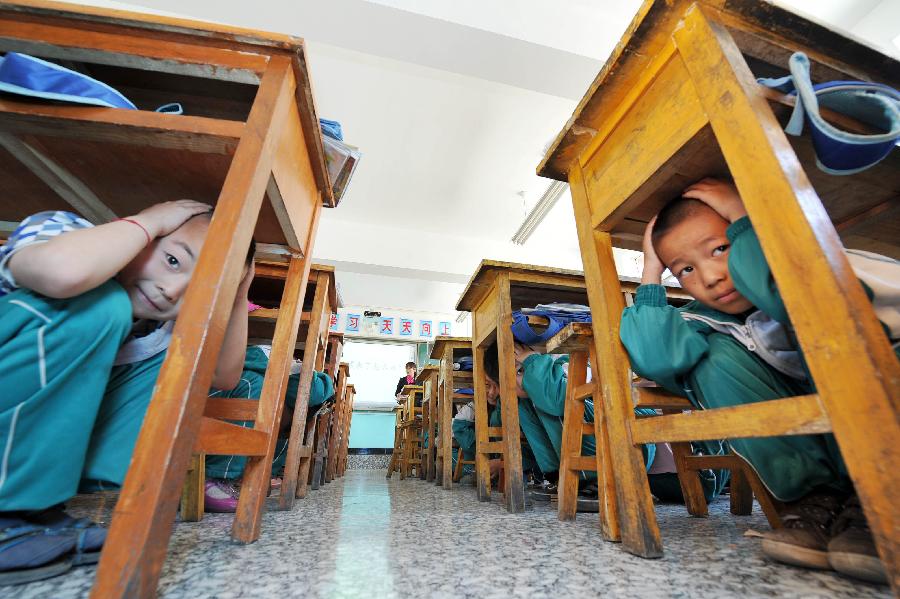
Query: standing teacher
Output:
(409,379)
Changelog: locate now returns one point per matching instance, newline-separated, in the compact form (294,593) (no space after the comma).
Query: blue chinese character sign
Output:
(352,323)
(333,323)
(444,328)
(406,327)
(424,328)
(387,326)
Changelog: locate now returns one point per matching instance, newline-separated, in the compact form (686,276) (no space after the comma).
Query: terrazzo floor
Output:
(364,536)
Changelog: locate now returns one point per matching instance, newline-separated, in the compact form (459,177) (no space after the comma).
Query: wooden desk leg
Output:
(482,463)
(514,486)
(572,437)
(860,368)
(691,488)
(640,532)
(606,483)
(258,471)
(135,548)
(194,491)
(447,426)
(289,484)
(318,471)
(336,420)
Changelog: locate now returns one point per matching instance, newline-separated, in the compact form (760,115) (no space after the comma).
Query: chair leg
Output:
(572,433)
(193,493)
(694,499)
(293,484)
(741,495)
(637,517)
(457,472)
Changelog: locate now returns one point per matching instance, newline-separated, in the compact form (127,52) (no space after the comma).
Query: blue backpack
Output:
(26,75)
(840,152)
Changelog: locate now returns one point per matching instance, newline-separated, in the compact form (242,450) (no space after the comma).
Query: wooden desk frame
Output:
(679,72)
(428,378)
(278,149)
(490,297)
(337,421)
(447,349)
(347,420)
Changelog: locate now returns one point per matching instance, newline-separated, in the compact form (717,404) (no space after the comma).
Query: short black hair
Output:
(492,362)
(674,213)
(251,251)
(410,365)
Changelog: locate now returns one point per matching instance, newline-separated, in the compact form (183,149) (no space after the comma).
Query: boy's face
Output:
(158,277)
(410,371)
(696,251)
(492,390)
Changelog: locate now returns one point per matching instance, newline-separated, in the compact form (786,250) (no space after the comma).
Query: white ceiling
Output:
(452,104)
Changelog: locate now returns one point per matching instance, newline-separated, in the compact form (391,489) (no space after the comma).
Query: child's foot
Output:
(89,536)
(30,552)
(220,496)
(851,550)
(803,541)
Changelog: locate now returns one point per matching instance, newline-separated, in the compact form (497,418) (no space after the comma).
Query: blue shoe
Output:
(89,536)
(30,552)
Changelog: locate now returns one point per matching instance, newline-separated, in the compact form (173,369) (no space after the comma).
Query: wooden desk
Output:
(345,437)
(678,100)
(493,293)
(337,421)
(249,144)
(428,379)
(448,350)
(323,301)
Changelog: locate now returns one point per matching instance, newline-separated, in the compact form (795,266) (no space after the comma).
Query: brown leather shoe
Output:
(851,550)
(803,541)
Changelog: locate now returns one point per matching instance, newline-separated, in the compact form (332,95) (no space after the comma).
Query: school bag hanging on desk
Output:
(26,75)
(840,152)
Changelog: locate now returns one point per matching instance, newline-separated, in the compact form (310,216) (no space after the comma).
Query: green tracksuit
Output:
(250,387)
(541,415)
(714,370)
(464,433)
(66,413)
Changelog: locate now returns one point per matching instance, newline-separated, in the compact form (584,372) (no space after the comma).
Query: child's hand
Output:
(653,266)
(162,219)
(719,195)
(244,287)
(522,352)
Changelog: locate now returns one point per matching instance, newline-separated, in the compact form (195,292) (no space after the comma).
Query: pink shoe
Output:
(220,496)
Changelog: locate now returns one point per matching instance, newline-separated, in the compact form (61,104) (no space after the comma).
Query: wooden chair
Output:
(348,420)
(250,144)
(325,417)
(678,100)
(428,378)
(448,350)
(493,292)
(337,421)
(397,452)
(460,462)
(267,290)
(576,339)
(411,431)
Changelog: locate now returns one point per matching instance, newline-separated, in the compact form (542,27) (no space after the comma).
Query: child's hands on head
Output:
(522,352)
(719,195)
(653,266)
(163,218)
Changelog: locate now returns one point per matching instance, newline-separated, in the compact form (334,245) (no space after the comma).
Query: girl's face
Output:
(158,277)
(410,371)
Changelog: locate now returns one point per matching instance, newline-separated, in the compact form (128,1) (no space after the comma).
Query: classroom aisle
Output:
(366,537)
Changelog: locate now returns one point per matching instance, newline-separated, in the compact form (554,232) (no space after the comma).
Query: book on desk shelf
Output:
(341,159)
